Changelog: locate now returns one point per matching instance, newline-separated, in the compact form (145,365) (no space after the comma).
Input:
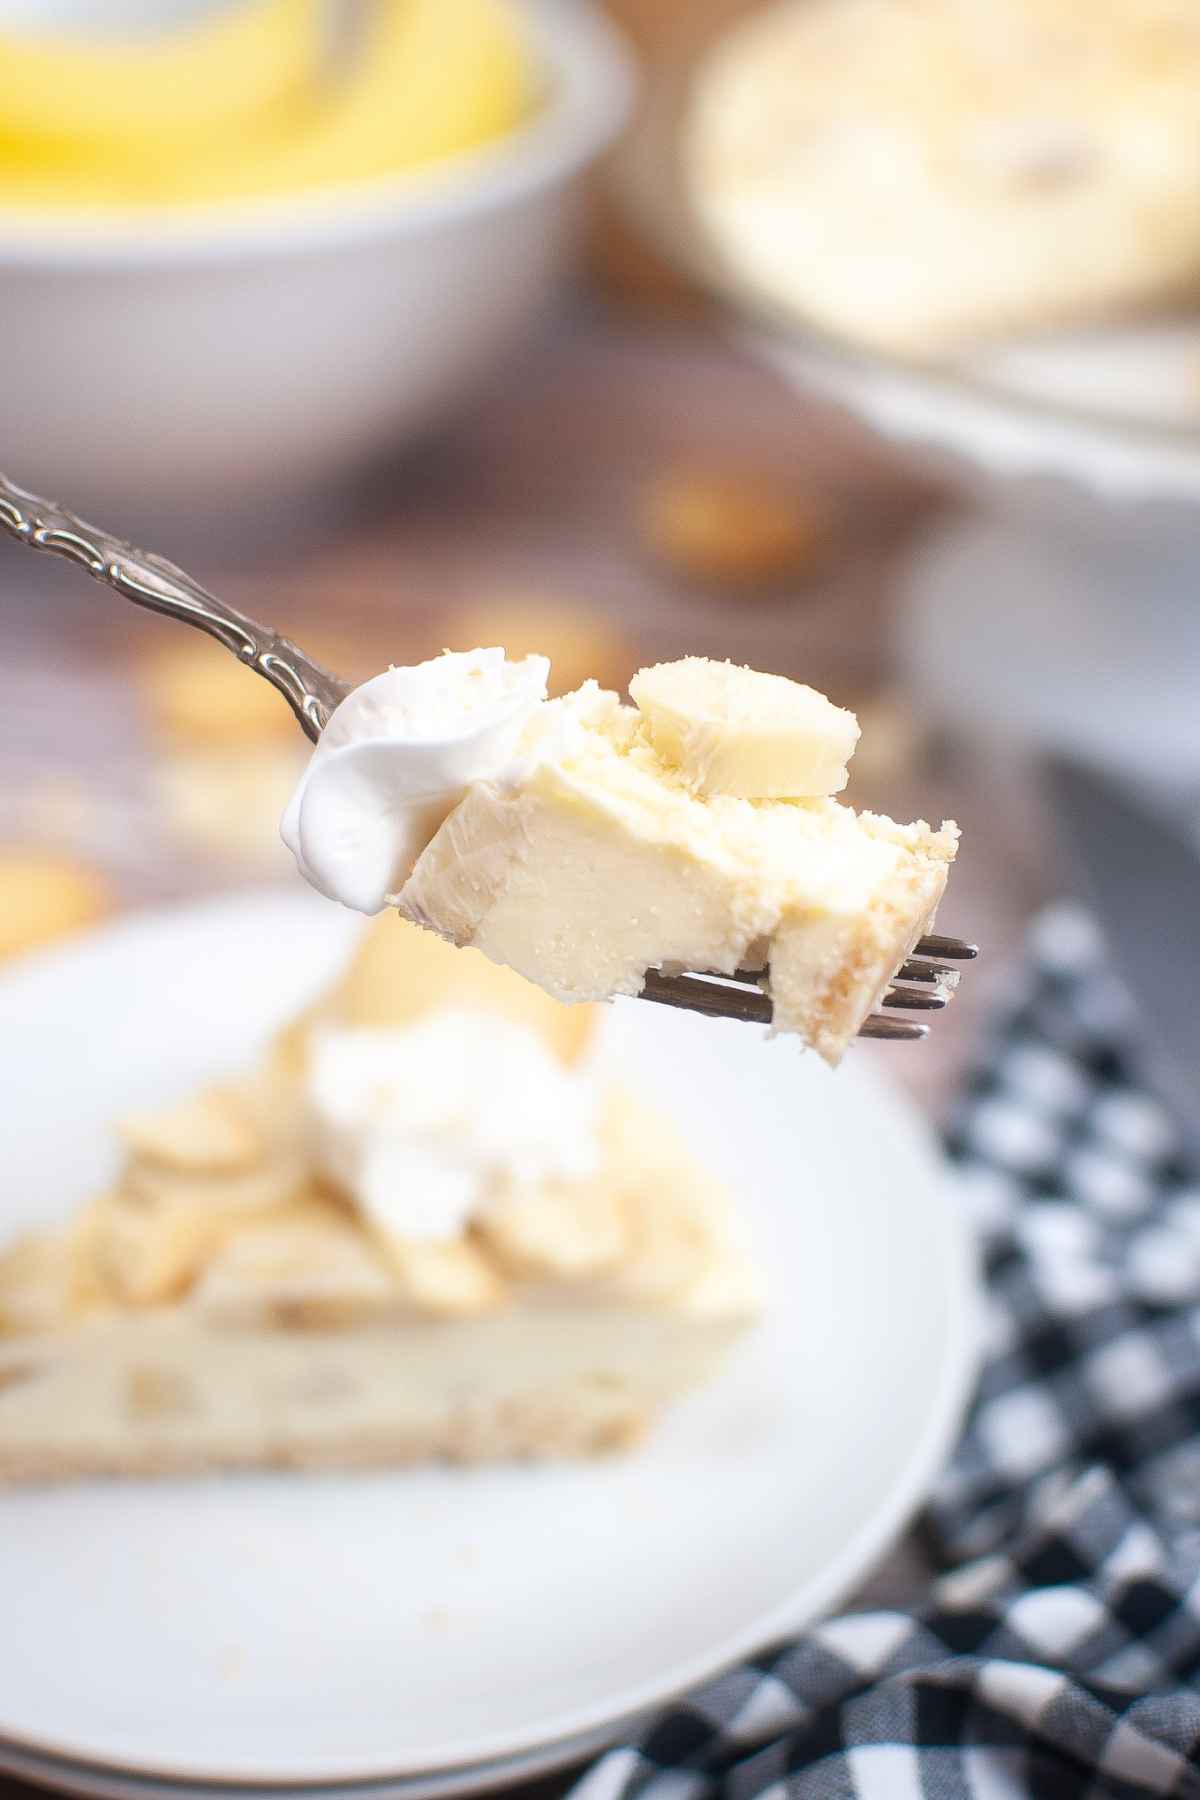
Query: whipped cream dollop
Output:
(425,1127)
(396,756)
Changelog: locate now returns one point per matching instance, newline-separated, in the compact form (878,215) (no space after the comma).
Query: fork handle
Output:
(153,582)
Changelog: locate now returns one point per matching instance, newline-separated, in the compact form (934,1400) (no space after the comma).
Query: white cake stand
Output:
(1063,610)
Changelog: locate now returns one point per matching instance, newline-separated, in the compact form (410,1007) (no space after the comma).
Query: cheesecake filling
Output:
(404,749)
(427,1128)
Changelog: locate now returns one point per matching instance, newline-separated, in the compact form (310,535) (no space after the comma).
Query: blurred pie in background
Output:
(922,176)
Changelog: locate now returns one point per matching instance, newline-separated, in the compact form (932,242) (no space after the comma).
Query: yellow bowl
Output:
(223,356)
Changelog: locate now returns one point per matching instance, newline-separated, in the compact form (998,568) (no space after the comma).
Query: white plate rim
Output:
(100,1782)
(592,1723)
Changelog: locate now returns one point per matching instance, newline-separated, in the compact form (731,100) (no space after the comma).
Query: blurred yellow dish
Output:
(240,109)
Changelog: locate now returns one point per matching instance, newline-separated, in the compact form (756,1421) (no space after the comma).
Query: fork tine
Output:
(717,1000)
(935,973)
(918,967)
(955,948)
(742,996)
(724,1000)
(896,1030)
(917,999)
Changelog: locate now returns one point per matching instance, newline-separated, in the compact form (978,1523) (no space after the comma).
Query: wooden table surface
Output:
(534,492)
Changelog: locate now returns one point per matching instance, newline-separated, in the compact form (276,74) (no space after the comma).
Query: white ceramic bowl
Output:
(228,358)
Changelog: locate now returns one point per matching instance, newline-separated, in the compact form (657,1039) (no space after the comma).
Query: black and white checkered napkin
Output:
(1060,1655)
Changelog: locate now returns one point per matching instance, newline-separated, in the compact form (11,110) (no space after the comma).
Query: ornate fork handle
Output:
(153,582)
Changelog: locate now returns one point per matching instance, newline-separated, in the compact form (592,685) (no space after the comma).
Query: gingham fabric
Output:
(1059,1656)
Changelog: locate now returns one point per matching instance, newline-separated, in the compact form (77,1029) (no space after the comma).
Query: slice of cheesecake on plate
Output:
(426,1227)
(583,842)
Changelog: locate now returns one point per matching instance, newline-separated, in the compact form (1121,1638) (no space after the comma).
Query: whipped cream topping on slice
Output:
(426,1126)
(396,756)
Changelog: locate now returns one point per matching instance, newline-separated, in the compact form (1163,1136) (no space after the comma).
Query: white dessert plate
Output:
(287,1630)
(93,1781)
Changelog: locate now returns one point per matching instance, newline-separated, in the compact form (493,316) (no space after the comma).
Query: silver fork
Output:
(924,983)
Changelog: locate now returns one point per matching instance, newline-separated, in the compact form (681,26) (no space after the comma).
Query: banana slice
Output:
(209,1133)
(736,731)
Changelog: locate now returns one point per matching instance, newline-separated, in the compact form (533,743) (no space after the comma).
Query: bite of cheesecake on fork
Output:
(688,849)
(604,849)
